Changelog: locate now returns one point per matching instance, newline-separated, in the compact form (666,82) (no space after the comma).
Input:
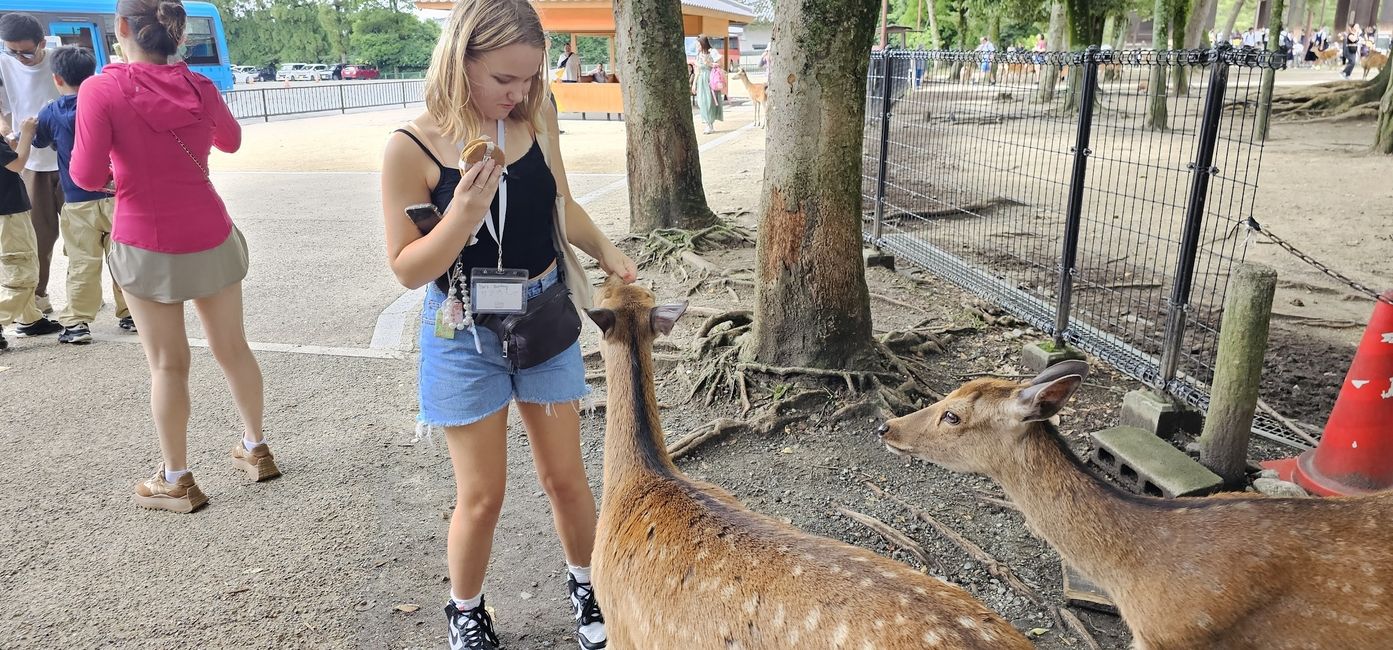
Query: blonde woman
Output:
(444,226)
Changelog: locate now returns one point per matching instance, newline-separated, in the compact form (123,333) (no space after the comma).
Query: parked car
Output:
(291,71)
(318,71)
(356,71)
(244,74)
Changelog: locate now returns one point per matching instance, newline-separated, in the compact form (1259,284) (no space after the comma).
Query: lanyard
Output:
(502,201)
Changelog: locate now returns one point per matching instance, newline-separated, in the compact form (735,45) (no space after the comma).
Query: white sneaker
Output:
(590,623)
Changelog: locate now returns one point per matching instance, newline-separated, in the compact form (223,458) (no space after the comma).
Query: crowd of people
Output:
(1351,45)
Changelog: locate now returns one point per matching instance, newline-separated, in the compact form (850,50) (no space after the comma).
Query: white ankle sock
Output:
(580,573)
(468,603)
(249,445)
(173,476)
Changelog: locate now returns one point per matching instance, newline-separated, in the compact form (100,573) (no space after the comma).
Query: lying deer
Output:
(1232,573)
(757,95)
(682,565)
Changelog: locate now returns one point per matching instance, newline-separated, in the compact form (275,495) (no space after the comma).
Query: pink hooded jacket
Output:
(163,201)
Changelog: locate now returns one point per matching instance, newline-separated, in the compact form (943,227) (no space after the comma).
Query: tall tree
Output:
(812,307)
(1179,11)
(664,163)
(1054,40)
(1156,110)
(1198,20)
(1269,75)
(1227,32)
(1383,137)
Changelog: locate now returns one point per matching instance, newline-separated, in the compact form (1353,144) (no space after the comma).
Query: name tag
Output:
(498,291)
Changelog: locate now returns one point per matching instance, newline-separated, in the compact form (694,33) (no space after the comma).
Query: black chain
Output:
(1253,225)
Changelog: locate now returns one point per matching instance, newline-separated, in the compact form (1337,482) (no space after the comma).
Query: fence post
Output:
(1201,171)
(1237,372)
(1069,255)
(878,227)
(402,84)
(343,103)
(265,109)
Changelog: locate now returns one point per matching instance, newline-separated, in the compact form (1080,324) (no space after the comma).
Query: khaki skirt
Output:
(171,277)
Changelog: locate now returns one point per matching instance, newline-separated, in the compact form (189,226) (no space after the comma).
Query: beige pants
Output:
(19,269)
(86,230)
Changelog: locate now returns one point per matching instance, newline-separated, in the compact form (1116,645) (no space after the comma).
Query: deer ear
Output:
(664,317)
(1043,401)
(604,318)
(1061,369)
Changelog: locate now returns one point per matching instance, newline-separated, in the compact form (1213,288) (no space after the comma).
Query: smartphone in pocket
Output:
(424,215)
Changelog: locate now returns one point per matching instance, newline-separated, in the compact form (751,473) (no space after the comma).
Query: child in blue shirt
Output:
(85,220)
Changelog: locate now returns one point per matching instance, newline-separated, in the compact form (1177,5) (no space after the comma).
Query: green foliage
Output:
(326,31)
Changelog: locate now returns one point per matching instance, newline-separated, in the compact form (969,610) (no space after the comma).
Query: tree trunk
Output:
(812,307)
(994,35)
(1231,21)
(1269,75)
(1195,26)
(957,70)
(1181,77)
(1383,140)
(664,164)
(935,39)
(1156,110)
(1054,41)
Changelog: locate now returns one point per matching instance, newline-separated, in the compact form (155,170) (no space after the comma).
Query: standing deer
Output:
(682,565)
(757,95)
(1233,573)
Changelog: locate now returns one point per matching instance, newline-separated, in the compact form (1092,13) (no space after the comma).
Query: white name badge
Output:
(498,291)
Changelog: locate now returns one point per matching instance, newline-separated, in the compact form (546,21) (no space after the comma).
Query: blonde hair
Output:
(476,27)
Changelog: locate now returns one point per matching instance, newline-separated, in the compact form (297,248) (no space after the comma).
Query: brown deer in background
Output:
(757,95)
(682,565)
(1232,573)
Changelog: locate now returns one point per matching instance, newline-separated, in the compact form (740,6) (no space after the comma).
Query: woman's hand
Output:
(475,192)
(615,262)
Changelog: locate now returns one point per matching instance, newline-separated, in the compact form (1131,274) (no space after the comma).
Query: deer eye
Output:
(950,417)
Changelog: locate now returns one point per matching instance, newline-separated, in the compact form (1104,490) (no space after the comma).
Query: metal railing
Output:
(1063,187)
(266,103)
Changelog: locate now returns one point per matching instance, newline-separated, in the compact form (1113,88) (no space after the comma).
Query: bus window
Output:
(200,48)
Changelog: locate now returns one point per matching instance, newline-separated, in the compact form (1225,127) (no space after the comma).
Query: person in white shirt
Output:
(27,75)
(569,64)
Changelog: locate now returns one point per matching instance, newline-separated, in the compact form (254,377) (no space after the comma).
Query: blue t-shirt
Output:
(57,129)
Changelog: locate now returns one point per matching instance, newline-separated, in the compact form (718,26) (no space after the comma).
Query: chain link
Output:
(1253,226)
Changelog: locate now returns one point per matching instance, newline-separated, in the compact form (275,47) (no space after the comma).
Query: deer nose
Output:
(882,429)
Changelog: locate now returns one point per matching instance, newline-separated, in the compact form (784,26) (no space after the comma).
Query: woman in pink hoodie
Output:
(151,123)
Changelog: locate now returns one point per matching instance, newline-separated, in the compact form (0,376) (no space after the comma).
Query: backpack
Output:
(718,80)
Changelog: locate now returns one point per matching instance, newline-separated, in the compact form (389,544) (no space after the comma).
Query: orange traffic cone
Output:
(1355,455)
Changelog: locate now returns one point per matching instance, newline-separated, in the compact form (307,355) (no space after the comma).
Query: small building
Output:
(596,18)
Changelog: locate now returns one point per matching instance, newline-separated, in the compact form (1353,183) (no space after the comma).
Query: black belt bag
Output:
(549,326)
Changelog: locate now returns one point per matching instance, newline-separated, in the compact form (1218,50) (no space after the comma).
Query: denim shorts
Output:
(460,386)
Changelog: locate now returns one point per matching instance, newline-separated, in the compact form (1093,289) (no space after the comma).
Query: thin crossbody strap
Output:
(192,157)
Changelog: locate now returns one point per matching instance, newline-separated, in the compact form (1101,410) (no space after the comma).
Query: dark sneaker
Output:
(127,325)
(471,629)
(41,327)
(4,345)
(78,334)
(590,623)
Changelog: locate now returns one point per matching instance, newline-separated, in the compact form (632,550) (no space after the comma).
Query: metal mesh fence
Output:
(1065,187)
(266,103)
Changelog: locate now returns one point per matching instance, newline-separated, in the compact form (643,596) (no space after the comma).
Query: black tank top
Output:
(527,243)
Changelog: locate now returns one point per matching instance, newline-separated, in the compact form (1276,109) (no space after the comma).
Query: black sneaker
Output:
(127,325)
(78,334)
(41,327)
(590,623)
(471,629)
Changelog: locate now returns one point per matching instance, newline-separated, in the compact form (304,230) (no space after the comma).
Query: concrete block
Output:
(877,257)
(1080,591)
(1146,464)
(1035,357)
(1157,413)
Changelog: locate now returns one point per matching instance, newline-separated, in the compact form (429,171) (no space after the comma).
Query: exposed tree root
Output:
(676,248)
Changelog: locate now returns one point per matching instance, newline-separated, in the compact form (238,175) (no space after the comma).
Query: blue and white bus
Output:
(92,24)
